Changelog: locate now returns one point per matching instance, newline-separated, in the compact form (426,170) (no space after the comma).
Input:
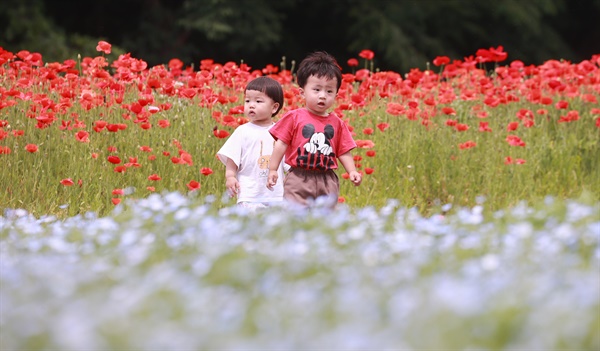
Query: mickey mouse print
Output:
(317,153)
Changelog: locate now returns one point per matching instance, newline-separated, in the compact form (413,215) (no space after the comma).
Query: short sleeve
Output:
(232,149)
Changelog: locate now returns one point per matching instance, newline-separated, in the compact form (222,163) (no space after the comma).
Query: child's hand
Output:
(272,180)
(233,186)
(355,177)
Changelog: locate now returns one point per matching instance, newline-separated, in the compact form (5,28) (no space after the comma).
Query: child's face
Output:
(319,93)
(259,108)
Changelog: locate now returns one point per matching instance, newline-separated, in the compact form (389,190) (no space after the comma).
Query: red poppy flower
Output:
(394,109)
(357,158)
(111,149)
(100,124)
(67,182)
(441,60)
(193,185)
(163,123)
(116,201)
(150,188)
(514,140)
(154,177)
(369,170)
(367,54)
(104,47)
(120,169)
(94,155)
(365,144)
(508,160)
(115,160)
(383,126)
(31,148)
(346,175)
(571,116)
(561,105)
(151,157)
(512,126)
(341,200)
(18,133)
(520,161)
(82,136)
(146,148)
(467,145)
(221,134)
(484,127)
(352,62)
(117,191)
(371,153)
(449,111)
(206,171)
(461,127)
(186,158)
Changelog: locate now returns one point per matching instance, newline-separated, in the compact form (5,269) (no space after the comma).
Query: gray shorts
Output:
(307,187)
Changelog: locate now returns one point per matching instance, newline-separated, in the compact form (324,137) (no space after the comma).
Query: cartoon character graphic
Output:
(263,162)
(317,152)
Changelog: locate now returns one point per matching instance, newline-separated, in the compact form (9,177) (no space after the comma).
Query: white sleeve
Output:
(232,149)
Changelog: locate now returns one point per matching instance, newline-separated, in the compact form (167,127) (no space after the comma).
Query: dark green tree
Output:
(25,25)
(402,33)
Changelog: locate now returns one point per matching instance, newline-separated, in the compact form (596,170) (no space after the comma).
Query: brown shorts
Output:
(303,187)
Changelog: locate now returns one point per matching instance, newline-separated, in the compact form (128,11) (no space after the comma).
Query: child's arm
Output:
(231,182)
(278,152)
(348,162)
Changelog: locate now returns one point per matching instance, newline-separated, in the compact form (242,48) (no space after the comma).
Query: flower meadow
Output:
(476,227)
(78,136)
(170,272)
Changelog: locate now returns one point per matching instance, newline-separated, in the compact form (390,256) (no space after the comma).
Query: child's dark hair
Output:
(319,64)
(270,87)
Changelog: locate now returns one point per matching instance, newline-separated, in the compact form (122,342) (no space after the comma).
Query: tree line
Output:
(403,34)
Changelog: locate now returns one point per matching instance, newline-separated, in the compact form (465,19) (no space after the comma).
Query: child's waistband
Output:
(299,170)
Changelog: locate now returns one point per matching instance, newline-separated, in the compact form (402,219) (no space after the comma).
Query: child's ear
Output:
(274,109)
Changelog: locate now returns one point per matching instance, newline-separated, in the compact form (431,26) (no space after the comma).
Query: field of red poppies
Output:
(83,134)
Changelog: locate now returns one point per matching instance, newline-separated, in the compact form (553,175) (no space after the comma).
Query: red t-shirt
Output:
(314,142)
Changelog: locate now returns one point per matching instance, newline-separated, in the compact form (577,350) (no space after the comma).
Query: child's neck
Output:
(325,114)
(262,124)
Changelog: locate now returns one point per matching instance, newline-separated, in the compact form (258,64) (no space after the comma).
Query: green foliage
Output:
(24,25)
(403,34)
(237,24)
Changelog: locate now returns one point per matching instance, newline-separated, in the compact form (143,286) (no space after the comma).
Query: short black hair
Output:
(270,87)
(319,64)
